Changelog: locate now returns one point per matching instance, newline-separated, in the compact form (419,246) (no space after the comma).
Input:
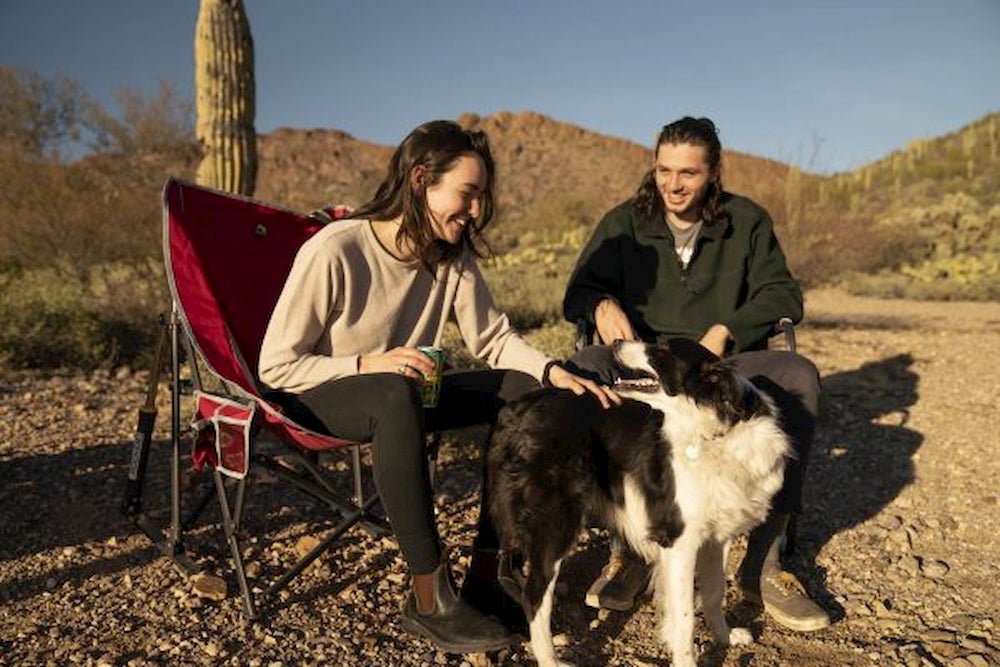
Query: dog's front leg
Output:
(712,585)
(675,592)
(541,627)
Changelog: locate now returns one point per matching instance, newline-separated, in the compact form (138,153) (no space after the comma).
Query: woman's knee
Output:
(397,394)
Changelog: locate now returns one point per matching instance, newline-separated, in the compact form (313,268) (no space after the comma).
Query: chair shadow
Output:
(73,500)
(861,459)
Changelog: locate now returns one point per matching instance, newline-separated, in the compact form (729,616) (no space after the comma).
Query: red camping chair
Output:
(226,259)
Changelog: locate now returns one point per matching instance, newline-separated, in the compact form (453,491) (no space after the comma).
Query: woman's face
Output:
(456,199)
(682,176)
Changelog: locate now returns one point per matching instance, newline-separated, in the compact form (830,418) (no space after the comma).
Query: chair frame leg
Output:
(169,542)
(231,519)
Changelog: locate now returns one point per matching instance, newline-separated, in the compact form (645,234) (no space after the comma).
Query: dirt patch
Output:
(899,537)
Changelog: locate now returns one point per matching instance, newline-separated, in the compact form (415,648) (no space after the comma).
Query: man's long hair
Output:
(436,146)
(648,201)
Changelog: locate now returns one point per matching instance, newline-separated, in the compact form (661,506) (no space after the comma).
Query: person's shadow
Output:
(861,459)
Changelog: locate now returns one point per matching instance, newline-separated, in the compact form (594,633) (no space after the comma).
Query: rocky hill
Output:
(551,174)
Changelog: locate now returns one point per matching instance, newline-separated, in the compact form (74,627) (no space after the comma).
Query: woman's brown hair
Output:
(435,146)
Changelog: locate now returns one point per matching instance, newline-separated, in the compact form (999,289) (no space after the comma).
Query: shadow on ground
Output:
(862,457)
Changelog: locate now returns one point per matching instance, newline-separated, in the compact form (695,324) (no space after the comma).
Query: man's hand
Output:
(612,323)
(560,378)
(716,338)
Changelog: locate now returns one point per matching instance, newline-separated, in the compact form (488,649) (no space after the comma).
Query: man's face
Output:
(682,176)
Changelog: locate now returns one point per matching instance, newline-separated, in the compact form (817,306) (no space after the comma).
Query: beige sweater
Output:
(347,296)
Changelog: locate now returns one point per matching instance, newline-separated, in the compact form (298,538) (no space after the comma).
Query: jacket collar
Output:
(659,229)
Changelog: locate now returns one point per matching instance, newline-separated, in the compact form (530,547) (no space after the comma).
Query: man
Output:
(685,258)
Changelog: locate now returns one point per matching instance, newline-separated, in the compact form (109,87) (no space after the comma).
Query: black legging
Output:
(385,409)
(789,378)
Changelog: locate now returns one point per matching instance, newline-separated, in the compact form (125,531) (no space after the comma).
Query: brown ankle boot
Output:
(764,582)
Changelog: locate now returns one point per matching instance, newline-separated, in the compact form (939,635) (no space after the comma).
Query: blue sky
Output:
(822,84)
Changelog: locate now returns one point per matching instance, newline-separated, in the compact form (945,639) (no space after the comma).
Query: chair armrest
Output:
(782,336)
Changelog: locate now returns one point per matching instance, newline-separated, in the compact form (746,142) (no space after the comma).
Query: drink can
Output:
(431,389)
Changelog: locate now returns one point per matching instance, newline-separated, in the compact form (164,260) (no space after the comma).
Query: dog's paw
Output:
(740,636)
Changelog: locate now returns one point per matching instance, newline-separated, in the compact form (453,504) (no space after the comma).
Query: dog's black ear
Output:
(692,352)
(738,399)
(670,370)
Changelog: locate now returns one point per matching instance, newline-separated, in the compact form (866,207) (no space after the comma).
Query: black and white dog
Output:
(690,460)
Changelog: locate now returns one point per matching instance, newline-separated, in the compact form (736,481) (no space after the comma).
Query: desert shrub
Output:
(849,245)
(528,284)
(556,339)
(49,318)
(968,278)
(955,253)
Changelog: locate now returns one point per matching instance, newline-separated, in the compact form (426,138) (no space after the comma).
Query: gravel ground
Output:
(899,537)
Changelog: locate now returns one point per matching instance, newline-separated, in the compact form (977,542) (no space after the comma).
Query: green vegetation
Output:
(81,279)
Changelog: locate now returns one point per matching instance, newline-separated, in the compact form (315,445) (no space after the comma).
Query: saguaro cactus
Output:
(224,79)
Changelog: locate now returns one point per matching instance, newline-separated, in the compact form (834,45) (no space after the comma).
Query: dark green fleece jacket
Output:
(737,276)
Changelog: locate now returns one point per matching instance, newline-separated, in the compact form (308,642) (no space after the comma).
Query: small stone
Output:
(50,583)
(937,635)
(211,649)
(962,622)
(891,522)
(889,624)
(478,660)
(305,544)
(561,639)
(934,569)
(253,570)
(973,644)
(208,586)
(881,609)
(946,650)
(909,564)
(862,609)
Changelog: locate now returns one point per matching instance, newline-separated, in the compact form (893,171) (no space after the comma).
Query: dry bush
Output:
(81,279)
(50,321)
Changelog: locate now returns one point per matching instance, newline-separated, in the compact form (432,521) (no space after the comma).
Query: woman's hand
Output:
(716,339)
(408,361)
(561,378)
(612,322)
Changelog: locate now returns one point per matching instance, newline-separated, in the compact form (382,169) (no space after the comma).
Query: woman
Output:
(342,342)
